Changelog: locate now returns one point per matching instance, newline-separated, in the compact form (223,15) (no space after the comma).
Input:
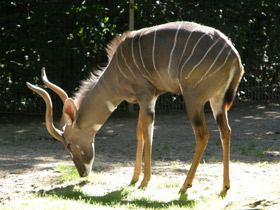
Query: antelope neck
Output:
(98,105)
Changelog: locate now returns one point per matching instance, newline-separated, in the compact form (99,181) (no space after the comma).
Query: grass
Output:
(68,173)
(250,148)
(162,195)
(107,191)
(125,198)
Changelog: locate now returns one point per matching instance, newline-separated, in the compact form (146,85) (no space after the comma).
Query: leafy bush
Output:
(69,38)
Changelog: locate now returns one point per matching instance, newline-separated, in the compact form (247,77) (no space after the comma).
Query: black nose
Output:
(85,174)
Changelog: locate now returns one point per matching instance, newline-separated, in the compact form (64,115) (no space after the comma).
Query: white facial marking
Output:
(111,107)
(89,166)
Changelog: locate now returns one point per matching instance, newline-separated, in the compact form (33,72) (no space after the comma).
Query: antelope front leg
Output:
(147,134)
(139,153)
(147,121)
(144,135)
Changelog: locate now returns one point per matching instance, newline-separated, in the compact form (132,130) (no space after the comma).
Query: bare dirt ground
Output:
(29,155)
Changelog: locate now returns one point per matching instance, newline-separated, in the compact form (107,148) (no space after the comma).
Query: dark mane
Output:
(88,84)
(115,43)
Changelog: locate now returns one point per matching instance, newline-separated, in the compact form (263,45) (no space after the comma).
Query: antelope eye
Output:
(68,146)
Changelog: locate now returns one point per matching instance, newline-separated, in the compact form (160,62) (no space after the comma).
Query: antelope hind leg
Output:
(220,114)
(201,139)
(225,138)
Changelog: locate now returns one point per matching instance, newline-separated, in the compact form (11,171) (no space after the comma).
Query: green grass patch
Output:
(250,149)
(106,191)
(68,173)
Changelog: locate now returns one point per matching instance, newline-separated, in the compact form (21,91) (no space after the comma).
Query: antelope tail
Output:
(231,92)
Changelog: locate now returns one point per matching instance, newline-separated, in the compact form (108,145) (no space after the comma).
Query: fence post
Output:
(131,15)
(131,27)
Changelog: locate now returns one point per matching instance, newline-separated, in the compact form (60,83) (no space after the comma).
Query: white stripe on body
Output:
(205,77)
(192,51)
(127,63)
(118,67)
(210,75)
(185,47)
(173,48)
(153,53)
(154,43)
(140,53)
(133,56)
(134,60)
(211,66)
(209,49)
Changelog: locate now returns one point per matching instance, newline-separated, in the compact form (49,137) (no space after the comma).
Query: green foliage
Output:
(69,39)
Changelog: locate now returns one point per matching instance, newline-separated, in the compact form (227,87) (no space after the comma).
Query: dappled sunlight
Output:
(113,189)
(29,158)
(21,131)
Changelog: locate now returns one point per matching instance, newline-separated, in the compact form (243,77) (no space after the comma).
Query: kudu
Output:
(196,61)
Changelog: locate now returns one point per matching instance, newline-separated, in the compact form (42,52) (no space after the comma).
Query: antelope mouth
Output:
(83,169)
(83,172)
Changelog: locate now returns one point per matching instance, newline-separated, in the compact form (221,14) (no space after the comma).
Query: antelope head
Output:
(78,142)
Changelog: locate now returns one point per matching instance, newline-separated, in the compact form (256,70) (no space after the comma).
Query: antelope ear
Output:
(69,112)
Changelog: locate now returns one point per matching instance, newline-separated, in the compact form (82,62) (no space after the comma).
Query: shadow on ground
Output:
(25,142)
(118,197)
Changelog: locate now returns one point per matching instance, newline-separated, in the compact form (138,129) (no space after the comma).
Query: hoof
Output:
(224,191)
(184,189)
(144,184)
(132,183)
(183,197)
(134,180)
